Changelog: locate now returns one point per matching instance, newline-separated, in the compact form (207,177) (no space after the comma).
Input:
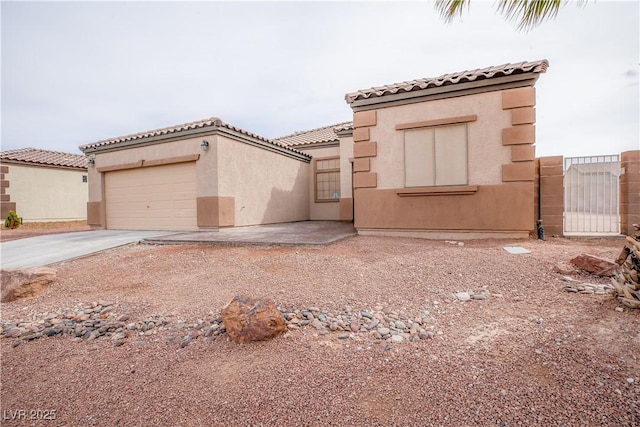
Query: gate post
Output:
(551,195)
(629,191)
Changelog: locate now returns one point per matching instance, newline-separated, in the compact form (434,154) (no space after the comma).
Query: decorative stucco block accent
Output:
(521,171)
(360,134)
(95,214)
(362,165)
(346,209)
(216,211)
(522,134)
(4,169)
(523,153)
(365,149)
(5,207)
(364,118)
(365,180)
(521,97)
(4,183)
(523,116)
(5,198)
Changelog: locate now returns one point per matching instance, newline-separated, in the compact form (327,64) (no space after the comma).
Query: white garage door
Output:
(153,198)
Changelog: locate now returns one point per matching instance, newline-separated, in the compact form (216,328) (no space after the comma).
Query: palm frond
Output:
(529,13)
(450,8)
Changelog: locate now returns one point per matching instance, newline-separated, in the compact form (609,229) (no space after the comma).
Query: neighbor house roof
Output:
(325,134)
(449,79)
(186,129)
(38,157)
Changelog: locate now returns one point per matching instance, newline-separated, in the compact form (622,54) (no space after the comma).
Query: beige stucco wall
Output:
(346,173)
(484,136)
(205,166)
(48,194)
(267,187)
(324,211)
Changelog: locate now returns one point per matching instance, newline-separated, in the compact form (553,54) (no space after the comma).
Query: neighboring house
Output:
(41,185)
(450,156)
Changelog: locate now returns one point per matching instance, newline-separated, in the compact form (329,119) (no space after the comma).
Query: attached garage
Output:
(156,198)
(202,175)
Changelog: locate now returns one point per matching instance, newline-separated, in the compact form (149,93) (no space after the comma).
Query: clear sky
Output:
(78,72)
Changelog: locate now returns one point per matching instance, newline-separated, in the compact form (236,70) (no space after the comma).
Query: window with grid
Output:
(328,180)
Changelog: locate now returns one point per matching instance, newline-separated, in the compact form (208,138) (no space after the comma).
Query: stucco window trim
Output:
(437,122)
(317,172)
(452,190)
(150,163)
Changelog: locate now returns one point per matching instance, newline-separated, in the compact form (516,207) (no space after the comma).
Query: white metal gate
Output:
(591,195)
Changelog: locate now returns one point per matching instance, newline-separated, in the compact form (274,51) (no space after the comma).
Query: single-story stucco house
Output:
(43,186)
(450,156)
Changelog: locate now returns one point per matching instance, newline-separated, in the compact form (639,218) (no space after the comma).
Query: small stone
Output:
(384,331)
(185,341)
(372,324)
(400,325)
(630,380)
(316,323)
(463,296)
(355,326)
(480,296)
(343,336)
(13,333)
(425,335)
(538,351)
(366,314)
(314,309)
(619,309)
(396,338)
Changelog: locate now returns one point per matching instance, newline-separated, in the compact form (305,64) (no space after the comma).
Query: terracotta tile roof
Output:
(213,122)
(37,156)
(449,79)
(313,136)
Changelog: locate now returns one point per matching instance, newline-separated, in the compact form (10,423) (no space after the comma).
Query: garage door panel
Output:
(153,198)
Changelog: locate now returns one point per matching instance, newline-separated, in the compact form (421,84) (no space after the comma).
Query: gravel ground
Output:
(529,354)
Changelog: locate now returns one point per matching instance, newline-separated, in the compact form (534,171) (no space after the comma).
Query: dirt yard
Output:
(529,354)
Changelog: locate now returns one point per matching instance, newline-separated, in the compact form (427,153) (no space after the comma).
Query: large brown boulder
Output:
(249,319)
(595,265)
(25,282)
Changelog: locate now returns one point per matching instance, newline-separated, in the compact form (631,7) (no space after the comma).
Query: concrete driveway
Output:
(52,248)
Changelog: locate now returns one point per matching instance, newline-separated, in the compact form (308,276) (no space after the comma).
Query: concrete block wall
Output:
(629,191)
(551,194)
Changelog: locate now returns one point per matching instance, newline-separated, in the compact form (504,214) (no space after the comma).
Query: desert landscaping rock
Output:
(25,282)
(249,319)
(595,265)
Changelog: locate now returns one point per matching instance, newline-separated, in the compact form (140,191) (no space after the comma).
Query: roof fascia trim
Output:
(450,91)
(240,137)
(191,133)
(41,165)
(323,144)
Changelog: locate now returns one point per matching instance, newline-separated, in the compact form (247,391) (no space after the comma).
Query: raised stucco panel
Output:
(484,136)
